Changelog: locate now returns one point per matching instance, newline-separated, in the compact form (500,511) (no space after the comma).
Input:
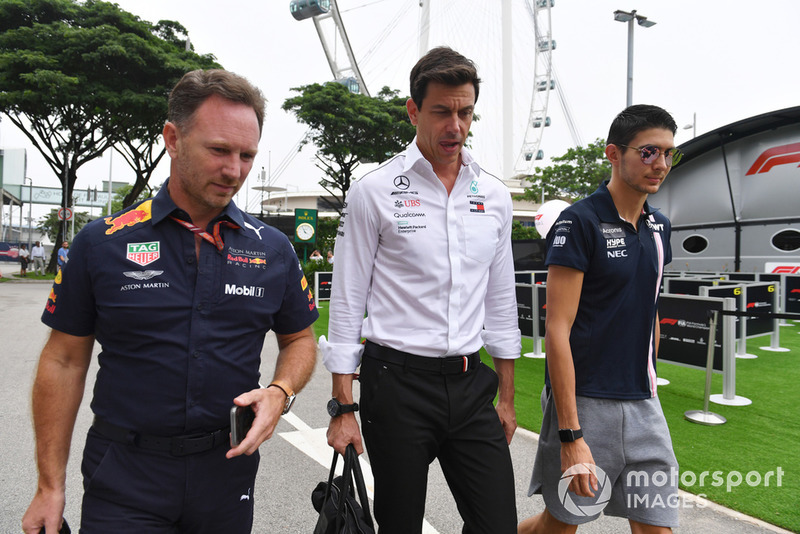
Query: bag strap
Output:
(345,489)
(359,483)
(330,480)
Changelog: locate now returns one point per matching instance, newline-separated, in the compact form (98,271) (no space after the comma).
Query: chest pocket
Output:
(480,237)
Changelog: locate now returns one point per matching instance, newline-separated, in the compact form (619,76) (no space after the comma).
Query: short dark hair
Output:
(635,119)
(443,65)
(198,85)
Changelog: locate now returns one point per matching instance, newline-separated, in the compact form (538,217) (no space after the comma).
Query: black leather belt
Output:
(448,365)
(177,446)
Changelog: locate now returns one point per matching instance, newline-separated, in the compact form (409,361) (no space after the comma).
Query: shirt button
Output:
(195,354)
(199,307)
(190,260)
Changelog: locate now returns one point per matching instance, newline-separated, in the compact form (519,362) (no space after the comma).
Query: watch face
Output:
(333,407)
(305,231)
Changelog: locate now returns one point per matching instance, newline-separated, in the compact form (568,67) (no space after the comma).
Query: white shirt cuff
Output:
(340,358)
(505,345)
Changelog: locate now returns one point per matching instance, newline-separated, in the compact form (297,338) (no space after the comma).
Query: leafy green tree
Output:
(78,78)
(573,176)
(50,226)
(124,192)
(518,231)
(349,129)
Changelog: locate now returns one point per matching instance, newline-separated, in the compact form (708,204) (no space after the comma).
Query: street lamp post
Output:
(30,203)
(692,126)
(624,16)
(262,177)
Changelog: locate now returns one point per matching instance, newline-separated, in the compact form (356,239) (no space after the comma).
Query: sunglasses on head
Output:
(650,153)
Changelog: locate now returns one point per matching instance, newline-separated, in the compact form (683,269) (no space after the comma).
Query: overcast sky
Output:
(724,60)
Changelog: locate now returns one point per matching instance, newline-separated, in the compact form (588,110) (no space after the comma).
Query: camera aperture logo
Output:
(601,497)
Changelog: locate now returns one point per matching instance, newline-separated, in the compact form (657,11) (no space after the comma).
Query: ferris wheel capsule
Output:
(305,9)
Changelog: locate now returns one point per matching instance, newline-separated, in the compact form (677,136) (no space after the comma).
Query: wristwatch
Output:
(336,408)
(290,396)
(568,435)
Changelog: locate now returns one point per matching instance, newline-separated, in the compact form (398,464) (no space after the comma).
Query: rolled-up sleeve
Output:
(501,334)
(356,245)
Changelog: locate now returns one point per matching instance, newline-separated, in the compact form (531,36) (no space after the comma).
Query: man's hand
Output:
(574,453)
(508,417)
(46,510)
(267,404)
(344,430)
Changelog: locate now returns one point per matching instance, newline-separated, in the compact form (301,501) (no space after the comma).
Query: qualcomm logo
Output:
(601,500)
(244,291)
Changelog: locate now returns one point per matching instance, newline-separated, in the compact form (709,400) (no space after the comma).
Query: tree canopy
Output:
(349,129)
(573,176)
(78,78)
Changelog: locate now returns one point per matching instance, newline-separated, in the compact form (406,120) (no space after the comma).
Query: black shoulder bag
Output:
(339,511)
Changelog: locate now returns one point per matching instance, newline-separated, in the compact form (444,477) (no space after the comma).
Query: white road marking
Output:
(313,442)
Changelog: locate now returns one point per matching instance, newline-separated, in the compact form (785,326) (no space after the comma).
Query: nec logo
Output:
(244,291)
(779,155)
(617,253)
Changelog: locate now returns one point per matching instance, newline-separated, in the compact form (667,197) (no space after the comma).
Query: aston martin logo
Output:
(142,275)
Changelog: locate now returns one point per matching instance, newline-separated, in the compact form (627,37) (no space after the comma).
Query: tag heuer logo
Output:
(143,253)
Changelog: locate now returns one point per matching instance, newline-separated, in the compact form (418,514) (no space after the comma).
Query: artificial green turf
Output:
(757,438)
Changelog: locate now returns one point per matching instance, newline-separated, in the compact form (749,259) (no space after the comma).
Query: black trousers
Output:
(409,417)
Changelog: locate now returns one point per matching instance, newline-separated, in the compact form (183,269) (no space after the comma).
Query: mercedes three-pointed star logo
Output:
(402,182)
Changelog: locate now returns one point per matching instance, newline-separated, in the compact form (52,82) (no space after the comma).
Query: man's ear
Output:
(171,135)
(413,111)
(613,153)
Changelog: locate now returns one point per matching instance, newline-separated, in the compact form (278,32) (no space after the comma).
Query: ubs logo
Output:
(402,182)
(413,203)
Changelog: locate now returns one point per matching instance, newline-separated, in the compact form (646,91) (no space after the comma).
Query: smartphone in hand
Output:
(241,420)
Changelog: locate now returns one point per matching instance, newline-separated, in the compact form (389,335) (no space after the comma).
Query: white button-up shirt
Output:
(433,272)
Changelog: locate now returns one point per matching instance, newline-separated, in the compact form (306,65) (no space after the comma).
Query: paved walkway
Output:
(292,462)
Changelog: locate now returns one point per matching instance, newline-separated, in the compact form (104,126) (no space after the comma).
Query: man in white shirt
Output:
(37,254)
(425,249)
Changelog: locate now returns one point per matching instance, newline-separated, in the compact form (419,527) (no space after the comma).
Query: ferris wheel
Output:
(544,82)
(467,26)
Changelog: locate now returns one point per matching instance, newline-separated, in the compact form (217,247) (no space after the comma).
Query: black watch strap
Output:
(568,435)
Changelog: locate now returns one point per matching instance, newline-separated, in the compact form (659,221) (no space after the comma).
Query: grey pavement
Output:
(292,462)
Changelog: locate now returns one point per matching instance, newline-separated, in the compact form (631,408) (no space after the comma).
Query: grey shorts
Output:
(631,446)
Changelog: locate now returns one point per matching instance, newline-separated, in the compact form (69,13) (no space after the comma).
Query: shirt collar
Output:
(415,158)
(163,206)
(605,207)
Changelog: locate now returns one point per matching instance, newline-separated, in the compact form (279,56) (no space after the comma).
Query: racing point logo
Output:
(601,497)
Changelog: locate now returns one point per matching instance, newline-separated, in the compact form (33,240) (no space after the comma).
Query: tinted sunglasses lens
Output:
(649,154)
(674,157)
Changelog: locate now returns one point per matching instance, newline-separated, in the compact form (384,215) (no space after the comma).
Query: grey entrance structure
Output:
(733,199)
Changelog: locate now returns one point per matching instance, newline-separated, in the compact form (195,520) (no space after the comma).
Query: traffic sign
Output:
(64,214)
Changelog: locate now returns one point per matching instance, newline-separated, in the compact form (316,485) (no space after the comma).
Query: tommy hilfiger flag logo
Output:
(144,253)
(477,206)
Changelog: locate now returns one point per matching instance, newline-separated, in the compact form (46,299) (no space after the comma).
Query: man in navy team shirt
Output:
(602,417)
(179,291)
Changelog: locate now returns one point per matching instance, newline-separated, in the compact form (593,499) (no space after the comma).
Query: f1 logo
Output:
(779,155)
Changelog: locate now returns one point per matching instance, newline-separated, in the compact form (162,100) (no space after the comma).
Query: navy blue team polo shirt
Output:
(180,337)
(612,339)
